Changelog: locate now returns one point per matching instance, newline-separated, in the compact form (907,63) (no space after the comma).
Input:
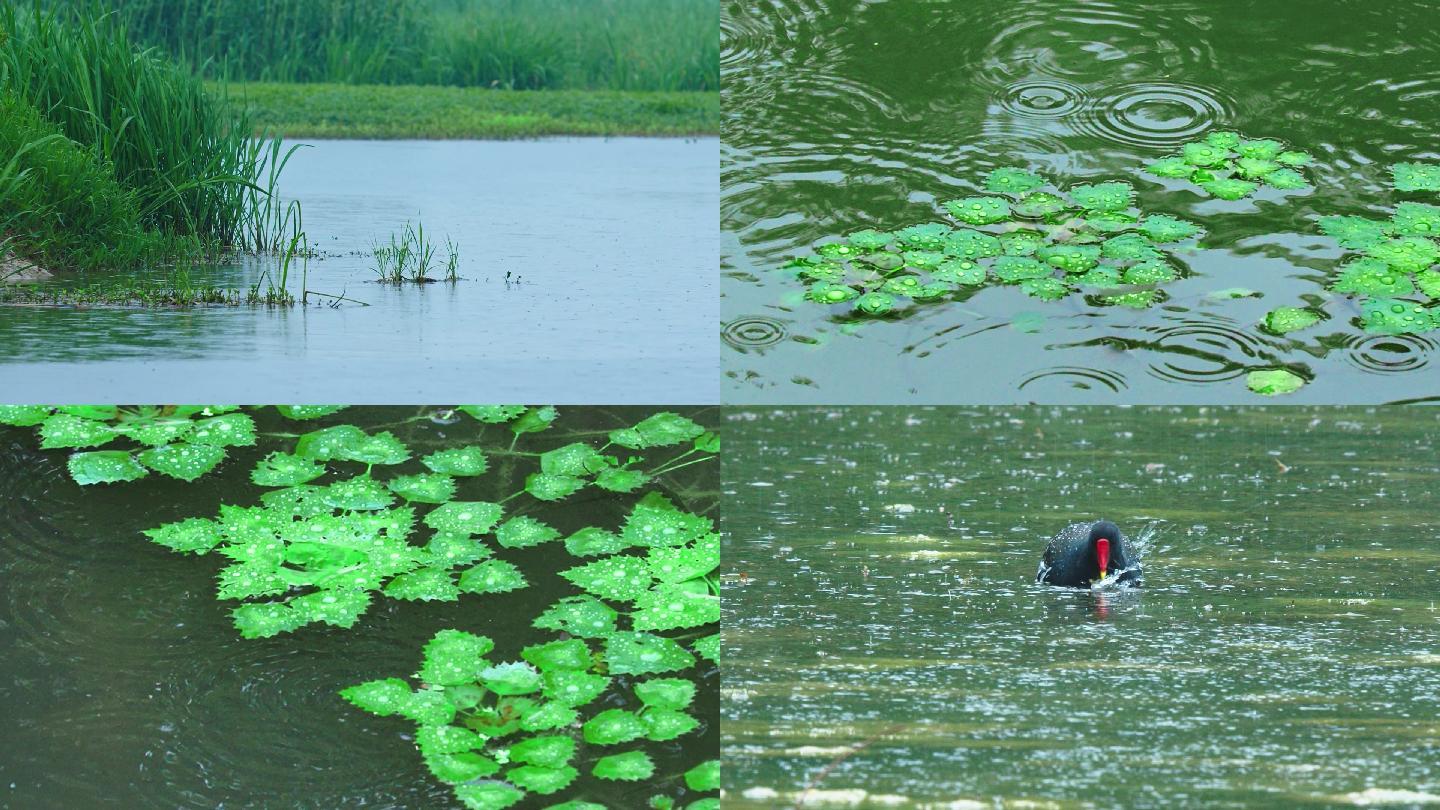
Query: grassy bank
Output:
(668,45)
(350,111)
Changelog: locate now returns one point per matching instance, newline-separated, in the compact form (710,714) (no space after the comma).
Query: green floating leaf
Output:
(1205,153)
(1429,284)
(1045,289)
(492,576)
(327,443)
(672,607)
(265,620)
(591,542)
(1260,149)
(568,654)
(672,694)
(524,532)
(875,303)
(708,647)
(454,657)
(189,536)
(1070,258)
(617,479)
(1286,180)
(157,432)
(662,725)
(1152,272)
(643,653)
(671,564)
(574,688)
(583,616)
(577,459)
(655,522)
(552,715)
(1409,254)
(305,412)
(336,607)
(1354,232)
(230,430)
(535,420)
(960,271)
(428,707)
(1370,276)
(184,461)
(546,487)
(621,578)
(546,751)
(542,780)
(612,727)
(493,414)
(24,415)
(104,467)
(869,240)
(382,448)
(488,796)
(1014,269)
(1284,320)
(358,494)
(384,697)
(576,804)
(927,236)
(466,517)
(445,739)
(1231,293)
(1164,229)
(1274,382)
(425,584)
(979,210)
(1013,180)
(1021,243)
(1173,167)
(834,250)
(971,244)
(1416,176)
(100,412)
(1114,196)
(423,488)
(704,777)
(459,461)
(511,679)
(1230,188)
(462,767)
(832,293)
(1393,316)
(284,470)
(630,766)
(65,431)
(1416,219)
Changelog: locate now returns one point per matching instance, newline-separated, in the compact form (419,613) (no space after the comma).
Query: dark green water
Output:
(1285,650)
(124,684)
(847,114)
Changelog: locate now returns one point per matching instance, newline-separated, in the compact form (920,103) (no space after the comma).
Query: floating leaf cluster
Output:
(180,441)
(1047,242)
(498,731)
(1394,277)
(1231,167)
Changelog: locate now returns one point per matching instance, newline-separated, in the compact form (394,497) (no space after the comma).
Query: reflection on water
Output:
(614,241)
(124,683)
(845,114)
(885,641)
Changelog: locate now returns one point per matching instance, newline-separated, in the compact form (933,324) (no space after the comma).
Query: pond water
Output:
(124,683)
(885,644)
(849,114)
(613,241)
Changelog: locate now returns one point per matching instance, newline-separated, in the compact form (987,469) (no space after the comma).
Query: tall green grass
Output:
(140,147)
(515,44)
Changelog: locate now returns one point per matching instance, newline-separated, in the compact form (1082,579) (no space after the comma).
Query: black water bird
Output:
(1084,553)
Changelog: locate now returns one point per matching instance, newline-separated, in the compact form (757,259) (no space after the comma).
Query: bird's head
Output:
(1103,533)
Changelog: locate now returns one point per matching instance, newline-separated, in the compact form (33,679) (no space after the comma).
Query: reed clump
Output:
(410,255)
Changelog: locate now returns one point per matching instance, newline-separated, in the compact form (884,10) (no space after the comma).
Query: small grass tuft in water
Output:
(410,256)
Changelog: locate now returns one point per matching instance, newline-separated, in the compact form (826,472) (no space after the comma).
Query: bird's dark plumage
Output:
(1071,559)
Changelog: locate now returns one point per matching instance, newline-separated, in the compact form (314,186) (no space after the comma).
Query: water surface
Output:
(848,114)
(123,682)
(613,241)
(886,646)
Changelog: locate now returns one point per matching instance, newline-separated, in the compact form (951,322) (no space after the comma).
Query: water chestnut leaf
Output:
(655,521)
(382,448)
(445,739)
(24,415)
(546,487)
(577,459)
(459,461)
(461,767)
(874,303)
(662,725)
(1013,180)
(618,479)
(612,727)
(1014,269)
(339,608)
(1408,254)
(465,517)
(631,653)
(157,432)
(524,532)
(424,584)
(492,576)
(672,694)
(834,250)
(1021,243)
(382,697)
(1354,232)
(1070,258)
(960,271)
(1161,229)
(189,536)
(1223,140)
(265,620)
(1284,320)
(514,678)
(488,796)
(493,414)
(1259,149)
(884,262)
(104,467)
(427,707)
(832,293)
(535,420)
(704,777)
(542,780)
(1274,382)
(630,766)
(306,412)
(1150,272)
(574,688)
(567,654)
(870,240)
(423,487)
(65,431)
(1416,176)
(1254,168)
(1373,277)
(230,430)
(1429,284)
(971,244)
(1045,289)
(924,259)
(583,616)
(1203,153)
(358,494)
(708,647)
(672,564)
(550,751)
(928,236)
(592,542)
(1394,316)
(1173,167)
(903,285)
(184,460)
(1230,188)
(1103,278)
(1113,196)
(284,470)
(328,443)
(979,210)
(673,607)
(620,578)
(1286,180)
(1416,219)
(576,804)
(549,716)
(454,657)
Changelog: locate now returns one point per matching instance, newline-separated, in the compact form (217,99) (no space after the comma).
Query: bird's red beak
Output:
(1102,550)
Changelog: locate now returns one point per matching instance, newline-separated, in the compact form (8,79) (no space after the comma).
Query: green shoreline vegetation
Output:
(379,112)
